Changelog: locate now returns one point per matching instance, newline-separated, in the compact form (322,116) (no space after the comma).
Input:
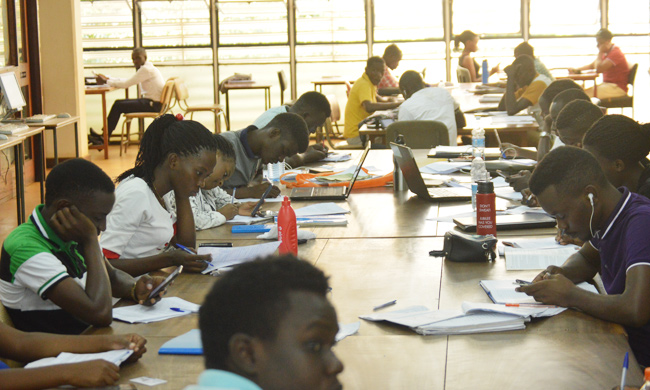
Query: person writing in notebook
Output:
(268,325)
(571,186)
(524,86)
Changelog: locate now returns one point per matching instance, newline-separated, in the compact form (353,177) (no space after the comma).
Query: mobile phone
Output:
(166,282)
(259,203)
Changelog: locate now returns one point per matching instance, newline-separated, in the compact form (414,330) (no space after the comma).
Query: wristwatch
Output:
(544,134)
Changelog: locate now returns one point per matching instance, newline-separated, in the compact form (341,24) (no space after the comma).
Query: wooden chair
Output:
(181,94)
(336,112)
(623,101)
(463,75)
(419,134)
(5,319)
(165,100)
(283,85)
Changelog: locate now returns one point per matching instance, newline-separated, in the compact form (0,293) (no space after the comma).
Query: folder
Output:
(186,344)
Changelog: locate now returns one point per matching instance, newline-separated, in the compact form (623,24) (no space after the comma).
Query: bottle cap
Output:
(647,373)
(286,201)
(485,187)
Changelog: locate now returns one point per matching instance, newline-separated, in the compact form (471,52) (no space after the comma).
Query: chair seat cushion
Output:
(616,102)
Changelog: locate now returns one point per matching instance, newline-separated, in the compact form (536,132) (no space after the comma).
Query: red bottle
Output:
(287,230)
(486,214)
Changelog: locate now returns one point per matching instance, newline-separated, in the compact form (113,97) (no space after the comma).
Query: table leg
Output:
(227,110)
(105,125)
(596,89)
(56,146)
(267,98)
(20,182)
(41,138)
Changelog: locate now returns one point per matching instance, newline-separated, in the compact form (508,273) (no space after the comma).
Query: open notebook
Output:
(503,291)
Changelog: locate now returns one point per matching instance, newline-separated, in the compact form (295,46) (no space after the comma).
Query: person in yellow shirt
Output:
(524,86)
(363,100)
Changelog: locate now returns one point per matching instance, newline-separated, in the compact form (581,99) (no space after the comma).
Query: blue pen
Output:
(188,250)
(626,362)
(177,309)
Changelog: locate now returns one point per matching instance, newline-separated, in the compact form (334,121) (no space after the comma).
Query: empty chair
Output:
(463,75)
(181,93)
(283,85)
(623,101)
(419,134)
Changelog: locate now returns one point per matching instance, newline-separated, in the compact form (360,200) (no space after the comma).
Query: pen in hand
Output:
(188,250)
(234,190)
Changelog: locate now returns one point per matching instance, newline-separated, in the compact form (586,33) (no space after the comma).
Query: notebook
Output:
(185,344)
(406,162)
(503,291)
(509,222)
(330,193)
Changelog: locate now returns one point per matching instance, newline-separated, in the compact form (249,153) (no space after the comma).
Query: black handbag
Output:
(467,248)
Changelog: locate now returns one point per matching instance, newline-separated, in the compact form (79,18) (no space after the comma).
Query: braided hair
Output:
(166,135)
(224,148)
(617,137)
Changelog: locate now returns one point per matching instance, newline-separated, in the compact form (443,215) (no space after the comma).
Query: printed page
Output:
(226,257)
(537,258)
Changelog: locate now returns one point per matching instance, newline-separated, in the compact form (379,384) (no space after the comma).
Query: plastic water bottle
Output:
(484,72)
(287,230)
(399,182)
(486,214)
(478,172)
(478,141)
(274,171)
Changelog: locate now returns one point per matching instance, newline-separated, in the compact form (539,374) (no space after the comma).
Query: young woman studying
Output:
(470,45)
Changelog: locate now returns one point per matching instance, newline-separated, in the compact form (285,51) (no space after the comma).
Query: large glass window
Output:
(401,23)
(629,17)
(330,21)
(487,18)
(106,24)
(252,22)
(175,23)
(561,17)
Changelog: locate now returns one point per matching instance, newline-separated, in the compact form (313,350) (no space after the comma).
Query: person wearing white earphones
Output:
(615,225)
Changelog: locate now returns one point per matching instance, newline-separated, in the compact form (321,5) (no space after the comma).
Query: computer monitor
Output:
(13,96)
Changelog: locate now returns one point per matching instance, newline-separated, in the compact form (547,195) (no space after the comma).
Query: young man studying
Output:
(314,108)
(524,86)
(53,276)
(285,135)
(363,100)
(570,185)
(268,325)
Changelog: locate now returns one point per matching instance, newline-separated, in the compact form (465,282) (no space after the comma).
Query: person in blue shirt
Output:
(268,325)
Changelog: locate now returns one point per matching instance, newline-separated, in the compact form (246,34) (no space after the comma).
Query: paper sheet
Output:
(116,357)
(445,167)
(346,330)
(508,193)
(278,198)
(525,311)
(413,316)
(247,220)
(538,258)
(337,157)
(226,257)
(503,291)
(158,312)
(328,208)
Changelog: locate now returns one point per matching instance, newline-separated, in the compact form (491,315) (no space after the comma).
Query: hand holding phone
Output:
(166,282)
(261,201)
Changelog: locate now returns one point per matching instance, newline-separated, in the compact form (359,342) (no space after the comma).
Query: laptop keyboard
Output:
(327,191)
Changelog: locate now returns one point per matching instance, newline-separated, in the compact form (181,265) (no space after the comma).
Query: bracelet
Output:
(133,292)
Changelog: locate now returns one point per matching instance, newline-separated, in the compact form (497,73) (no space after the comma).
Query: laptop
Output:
(330,193)
(404,157)
(510,222)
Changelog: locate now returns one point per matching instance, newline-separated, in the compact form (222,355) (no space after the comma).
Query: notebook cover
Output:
(186,344)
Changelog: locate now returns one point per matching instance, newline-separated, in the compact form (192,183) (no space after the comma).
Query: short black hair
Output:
(463,37)
(140,50)
(617,137)
(252,299)
(525,67)
(224,148)
(76,179)
(411,81)
(552,90)
(569,169)
(524,48)
(604,34)
(577,117)
(392,51)
(375,61)
(563,98)
(293,127)
(313,101)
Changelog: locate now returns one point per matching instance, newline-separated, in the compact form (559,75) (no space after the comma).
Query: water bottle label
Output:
(478,142)
(474,190)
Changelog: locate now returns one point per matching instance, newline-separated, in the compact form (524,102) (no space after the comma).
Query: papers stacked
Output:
(344,176)
(167,308)
(512,120)
(278,198)
(445,167)
(503,291)
(116,357)
(490,98)
(247,220)
(322,214)
(227,257)
(337,157)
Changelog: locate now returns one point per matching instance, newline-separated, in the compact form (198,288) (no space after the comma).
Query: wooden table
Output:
(583,76)
(383,255)
(37,133)
(16,142)
(318,83)
(54,124)
(239,86)
(103,90)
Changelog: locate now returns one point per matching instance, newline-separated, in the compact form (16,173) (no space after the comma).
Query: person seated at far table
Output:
(612,64)
(27,347)
(53,277)
(570,185)
(525,48)
(470,45)
(363,100)
(575,119)
(285,135)
(314,108)
(426,103)
(268,325)
(524,85)
(392,56)
(151,83)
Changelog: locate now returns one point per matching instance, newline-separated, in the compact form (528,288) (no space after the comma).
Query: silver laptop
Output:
(330,193)
(406,161)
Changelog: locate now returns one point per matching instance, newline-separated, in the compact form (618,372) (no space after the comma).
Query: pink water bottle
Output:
(486,213)
(287,230)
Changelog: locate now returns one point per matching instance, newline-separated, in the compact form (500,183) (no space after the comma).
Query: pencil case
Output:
(467,248)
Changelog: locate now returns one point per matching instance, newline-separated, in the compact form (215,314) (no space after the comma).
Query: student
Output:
(525,48)
(53,277)
(314,108)
(26,347)
(151,83)
(392,56)
(575,119)
(570,185)
(268,325)
(620,146)
(562,99)
(285,135)
(363,100)
(175,155)
(524,86)
(470,45)
(612,64)
(426,103)
(213,206)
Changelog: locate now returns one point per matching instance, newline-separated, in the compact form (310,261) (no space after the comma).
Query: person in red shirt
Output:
(612,64)
(392,56)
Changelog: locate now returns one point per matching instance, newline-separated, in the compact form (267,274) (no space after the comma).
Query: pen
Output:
(383,305)
(233,195)
(522,282)
(503,153)
(500,173)
(528,305)
(625,365)
(184,248)
(177,309)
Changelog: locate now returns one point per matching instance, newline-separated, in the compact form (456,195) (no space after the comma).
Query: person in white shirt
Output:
(151,84)
(426,103)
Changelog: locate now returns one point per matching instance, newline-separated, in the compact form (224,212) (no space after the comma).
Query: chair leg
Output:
(122,133)
(127,140)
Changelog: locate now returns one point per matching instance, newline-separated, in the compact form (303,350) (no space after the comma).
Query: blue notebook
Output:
(186,344)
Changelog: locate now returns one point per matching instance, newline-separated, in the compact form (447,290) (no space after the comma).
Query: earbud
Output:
(591,198)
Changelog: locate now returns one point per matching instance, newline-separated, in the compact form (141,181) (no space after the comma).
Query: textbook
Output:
(539,258)
(116,357)
(185,344)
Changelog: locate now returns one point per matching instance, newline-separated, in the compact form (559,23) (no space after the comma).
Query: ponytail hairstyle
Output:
(617,137)
(465,36)
(224,148)
(166,135)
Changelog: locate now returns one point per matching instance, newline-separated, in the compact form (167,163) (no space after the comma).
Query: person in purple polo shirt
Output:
(571,186)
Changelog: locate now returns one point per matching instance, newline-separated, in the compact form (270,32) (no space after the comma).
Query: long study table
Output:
(382,255)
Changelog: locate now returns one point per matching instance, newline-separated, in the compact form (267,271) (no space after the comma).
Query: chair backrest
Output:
(334,106)
(181,94)
(283,85)
(419,134)
(463,75)
(632,74)
(166,96)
